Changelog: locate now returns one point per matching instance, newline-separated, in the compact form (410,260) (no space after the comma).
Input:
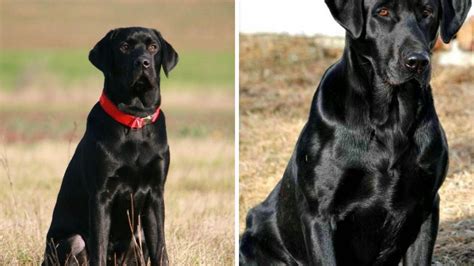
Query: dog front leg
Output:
(153,226)
(421,251)
(99,225)
(318,236)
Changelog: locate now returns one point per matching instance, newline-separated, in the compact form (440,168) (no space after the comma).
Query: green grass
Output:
(68,67)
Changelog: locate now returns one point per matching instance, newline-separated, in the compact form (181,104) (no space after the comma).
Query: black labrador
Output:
(361,186)
(110,207)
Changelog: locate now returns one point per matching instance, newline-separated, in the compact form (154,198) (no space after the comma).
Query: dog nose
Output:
(417,62)
(145,63)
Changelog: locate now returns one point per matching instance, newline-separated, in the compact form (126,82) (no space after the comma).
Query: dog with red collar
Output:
(112,190)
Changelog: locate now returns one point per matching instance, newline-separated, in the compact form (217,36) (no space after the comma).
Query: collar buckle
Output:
(147,120)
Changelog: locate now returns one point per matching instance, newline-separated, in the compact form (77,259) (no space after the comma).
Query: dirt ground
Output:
(278,77)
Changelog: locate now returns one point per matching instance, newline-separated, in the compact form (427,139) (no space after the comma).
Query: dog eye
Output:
(124,47)
(383,12)
(152,47)
(427,12)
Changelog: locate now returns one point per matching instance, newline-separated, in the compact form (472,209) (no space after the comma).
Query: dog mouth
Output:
(397,78)
(142,81)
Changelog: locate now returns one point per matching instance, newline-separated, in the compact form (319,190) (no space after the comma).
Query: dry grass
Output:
(278,78)
(199,194)
(44,113)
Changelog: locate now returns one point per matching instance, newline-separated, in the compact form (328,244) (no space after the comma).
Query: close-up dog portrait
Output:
(361,172)
(108,155)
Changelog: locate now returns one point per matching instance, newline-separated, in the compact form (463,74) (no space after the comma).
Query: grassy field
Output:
(199,193)
(71,68)
(47,87)
(278,77)
(46,43)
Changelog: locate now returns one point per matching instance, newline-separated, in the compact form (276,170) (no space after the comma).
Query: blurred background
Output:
(283,55)
(48,86)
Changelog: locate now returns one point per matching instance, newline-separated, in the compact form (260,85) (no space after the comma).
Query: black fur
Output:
(361,186)
(117,174)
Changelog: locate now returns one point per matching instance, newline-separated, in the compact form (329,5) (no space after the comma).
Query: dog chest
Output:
(356,170)
(132,164)
(378,178)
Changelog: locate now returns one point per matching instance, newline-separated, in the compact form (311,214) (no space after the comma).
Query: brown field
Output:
(193,24)
(278,77)
(199,193)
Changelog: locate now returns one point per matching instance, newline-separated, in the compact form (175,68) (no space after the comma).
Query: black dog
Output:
(361,186)
(116,178)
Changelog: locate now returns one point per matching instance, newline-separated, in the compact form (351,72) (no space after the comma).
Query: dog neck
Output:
(382,104)
(137,103)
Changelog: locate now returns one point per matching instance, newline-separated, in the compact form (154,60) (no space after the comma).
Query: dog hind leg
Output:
(70,251)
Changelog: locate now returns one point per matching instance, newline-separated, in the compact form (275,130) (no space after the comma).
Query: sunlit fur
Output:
(361,185)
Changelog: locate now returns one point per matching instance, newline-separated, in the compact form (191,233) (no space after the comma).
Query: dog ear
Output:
(170,56)
(101,55)
(453,14)
(349,14)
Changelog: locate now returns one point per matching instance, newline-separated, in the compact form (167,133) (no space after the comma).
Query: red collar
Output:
(126,119)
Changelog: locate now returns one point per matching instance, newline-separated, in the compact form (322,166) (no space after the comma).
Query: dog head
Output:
(131,59)
(396,37)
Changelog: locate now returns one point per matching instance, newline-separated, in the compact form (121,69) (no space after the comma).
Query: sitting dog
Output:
(361,186)
(110,207)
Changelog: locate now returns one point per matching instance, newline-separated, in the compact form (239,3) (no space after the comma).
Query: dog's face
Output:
(397,36)
(131,58)
(400,35)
